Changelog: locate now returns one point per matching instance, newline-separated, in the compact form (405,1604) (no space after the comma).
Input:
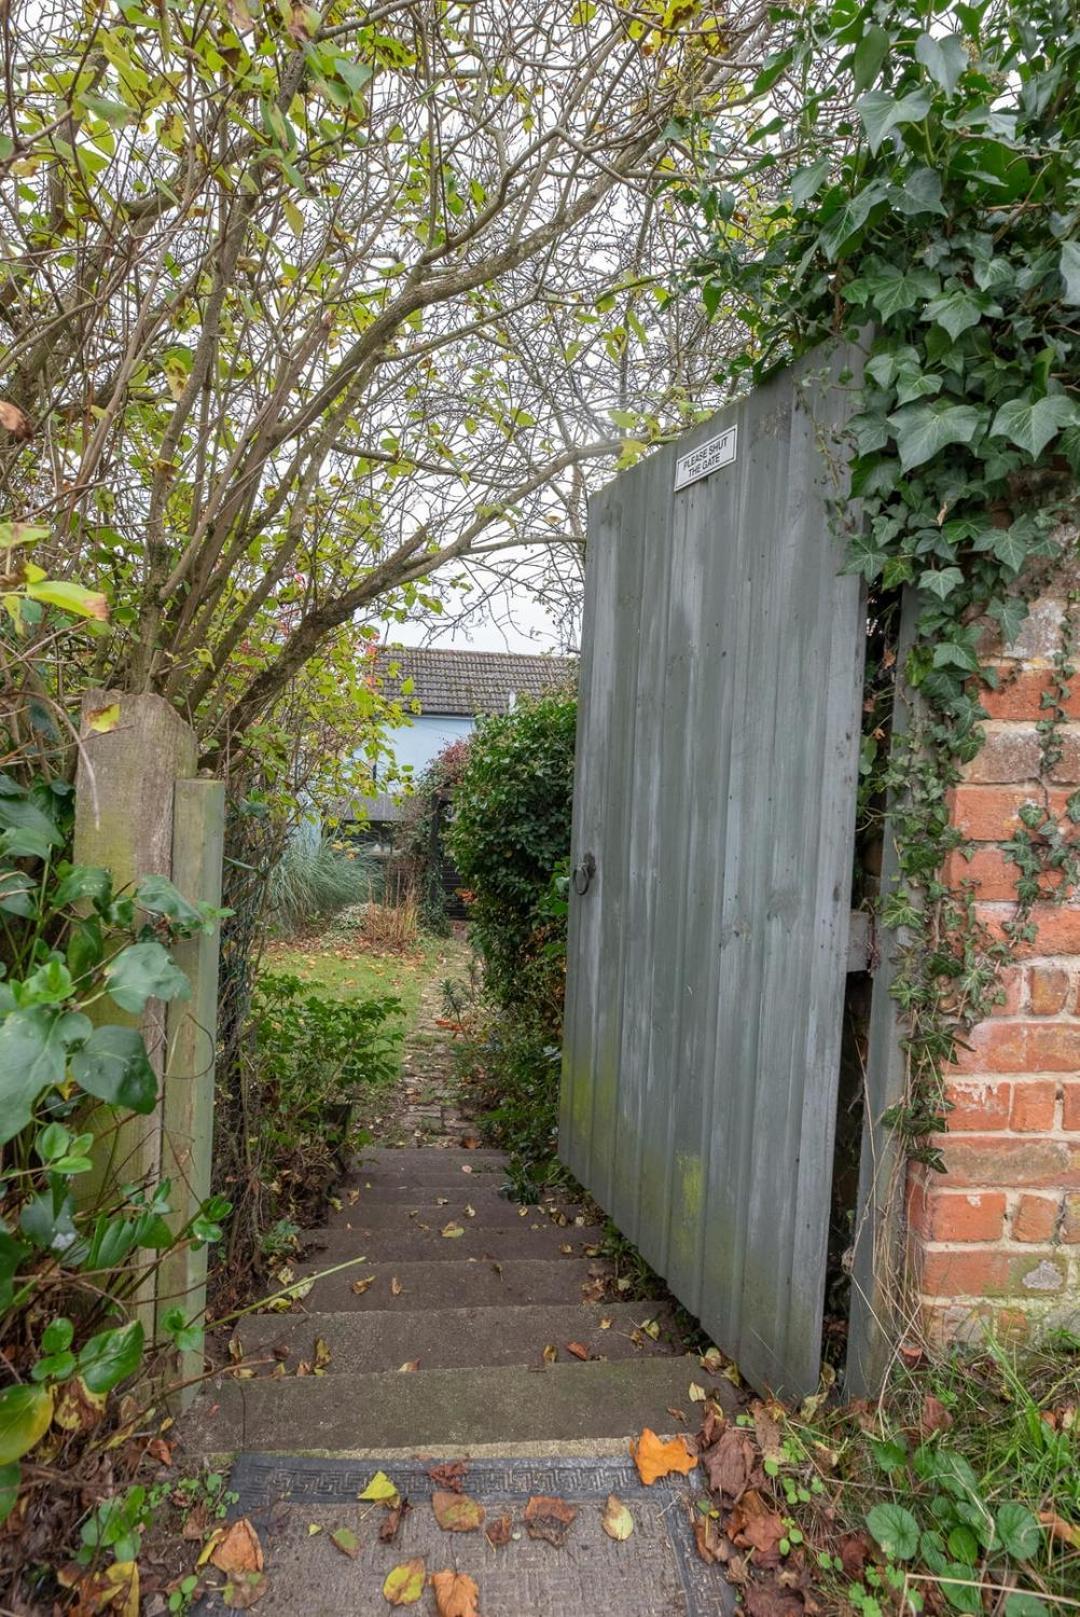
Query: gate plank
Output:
(717,754)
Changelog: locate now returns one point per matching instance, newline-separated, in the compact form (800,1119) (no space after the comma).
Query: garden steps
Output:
(474,1313)
(451,1338)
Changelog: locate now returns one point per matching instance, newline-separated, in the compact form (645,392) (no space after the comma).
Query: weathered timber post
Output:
(139,811)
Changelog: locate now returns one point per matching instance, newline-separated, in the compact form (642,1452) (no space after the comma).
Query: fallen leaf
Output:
(466,1167)
(405,1584)
(243,1589)
(1058,1528)
(698,1394)
(579,1350)
(708,1538)
(236,1349)
(388,1527)
(651,1327)
(313,1528)
(616,1520)
(712,1360)
(497,1531)
(451,1231)
(380,1487)
(456,1594)
(354,1197)
(442,1201)
(471,1142)
(606,1323)
(449,1475)
(550,1353)
(933,1416)
(729,1463)
(470,1212)
(408,1366)
(549,1518)
(456,1512)
(238,1548)
(157,1449)
(855,1550)
(677,1414)
(754,1525)
(104,719)
(767,1431)
(396,1288)
(655,1458)
(360,1286)
(322,1355)
(345,1540)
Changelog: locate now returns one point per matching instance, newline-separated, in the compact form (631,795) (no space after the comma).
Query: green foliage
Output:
(310,1056)
(423,833)
(73,944)
(925,203)
(315,878)
(509,835)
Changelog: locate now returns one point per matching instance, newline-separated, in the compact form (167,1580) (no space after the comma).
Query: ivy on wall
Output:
(915,186)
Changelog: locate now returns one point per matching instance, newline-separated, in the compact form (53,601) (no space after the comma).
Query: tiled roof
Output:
(468,683)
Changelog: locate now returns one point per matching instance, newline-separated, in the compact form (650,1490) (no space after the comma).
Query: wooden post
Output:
(188,1095)
(140,812)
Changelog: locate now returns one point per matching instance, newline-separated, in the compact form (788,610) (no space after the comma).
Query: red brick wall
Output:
(998,1235)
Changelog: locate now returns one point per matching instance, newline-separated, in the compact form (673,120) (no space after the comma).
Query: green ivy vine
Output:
(913,185)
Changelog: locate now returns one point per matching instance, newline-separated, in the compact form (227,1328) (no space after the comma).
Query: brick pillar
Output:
(997,1237)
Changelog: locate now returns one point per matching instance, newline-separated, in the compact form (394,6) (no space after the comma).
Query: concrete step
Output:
(437,1410)
(414,1244)
(449,1338)
(489,1210)
(478,1283)
(417,1160)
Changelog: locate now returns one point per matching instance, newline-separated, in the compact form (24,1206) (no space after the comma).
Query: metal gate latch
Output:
(583,874)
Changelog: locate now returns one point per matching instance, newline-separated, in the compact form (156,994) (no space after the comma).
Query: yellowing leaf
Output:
(77,1408)
(360,1286)
(313,1528)
(698,1394)
(408,1366)
(322,1355)
(550,1353)
(654,1458)
(380,1487)
(456,1512)
(452,1231)
(70,598)
(405,1584)
(345,1540)
(456,1594)
(616,1520)
(104,719)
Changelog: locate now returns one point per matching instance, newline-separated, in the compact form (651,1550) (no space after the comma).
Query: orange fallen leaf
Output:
(1057,1527)
(456,1594)
(238,1549)
(654,1458)
(579,1350)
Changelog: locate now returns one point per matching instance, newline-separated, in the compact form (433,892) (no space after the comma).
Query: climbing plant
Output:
(914,185)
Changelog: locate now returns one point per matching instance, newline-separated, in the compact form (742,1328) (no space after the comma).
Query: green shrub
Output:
(309,1057)
(509,836)
(314,879)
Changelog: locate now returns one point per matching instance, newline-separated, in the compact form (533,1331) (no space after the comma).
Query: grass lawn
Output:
(341,971)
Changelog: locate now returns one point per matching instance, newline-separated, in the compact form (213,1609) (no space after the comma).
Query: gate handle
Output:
(583,875)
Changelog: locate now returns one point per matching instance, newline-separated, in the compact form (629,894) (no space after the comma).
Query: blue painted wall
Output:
(415,745)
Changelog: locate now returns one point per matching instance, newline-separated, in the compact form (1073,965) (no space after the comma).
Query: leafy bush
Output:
(310,1056)
(71,1333)
(509,835)
(422,833)
(314,879)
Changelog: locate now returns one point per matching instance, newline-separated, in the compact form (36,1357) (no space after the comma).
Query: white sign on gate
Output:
(706,458)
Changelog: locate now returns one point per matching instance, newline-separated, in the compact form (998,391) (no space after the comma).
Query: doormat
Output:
(296,1503)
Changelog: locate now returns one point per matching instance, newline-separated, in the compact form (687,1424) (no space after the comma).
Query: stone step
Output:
(432,1207)
(467,1188)
(418,1160)
(415,1243)
(440,1410)
(453,1337)
(462,1284)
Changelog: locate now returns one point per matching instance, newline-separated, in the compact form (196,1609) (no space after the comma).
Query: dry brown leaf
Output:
(456,1512)
(15,421)
(409,1366)
(360,1286)
(549,1518)
(616,1520)
(456,1594)
(238,1549)
(933,1416)
(1059,1528)
(449,1475)
(754,1525)
(729,1463)
(497,1531)
(767,1431)
(579,1350)
(708,1539)
(388,1527)
(770,1600)
(396,1288)
(654,1458)
(677,1414)
(550,1353)
(77,1409)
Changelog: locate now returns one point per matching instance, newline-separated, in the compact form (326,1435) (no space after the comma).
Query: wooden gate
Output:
(717,756)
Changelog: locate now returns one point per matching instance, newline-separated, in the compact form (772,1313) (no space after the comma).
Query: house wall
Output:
(415,745)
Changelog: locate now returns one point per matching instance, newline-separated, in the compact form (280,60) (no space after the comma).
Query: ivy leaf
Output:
(1009,545)
(870,53)
(847,215)
(1031,423)
(944,58)
(955,311)
(915,384)
(895,290)
(144,971)
(920,193)
(1019,1531)
(158,895)
(941,582)
(111,1356)
(924,429)
(882,113)
(1069,264)
(114,1066)
(1010,612)
(33,1055)
(807,182)
(895,1529)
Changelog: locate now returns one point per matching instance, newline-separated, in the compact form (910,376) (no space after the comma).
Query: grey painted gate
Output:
(716,765)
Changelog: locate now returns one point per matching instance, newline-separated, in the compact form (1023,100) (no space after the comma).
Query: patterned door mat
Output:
(656,1572)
